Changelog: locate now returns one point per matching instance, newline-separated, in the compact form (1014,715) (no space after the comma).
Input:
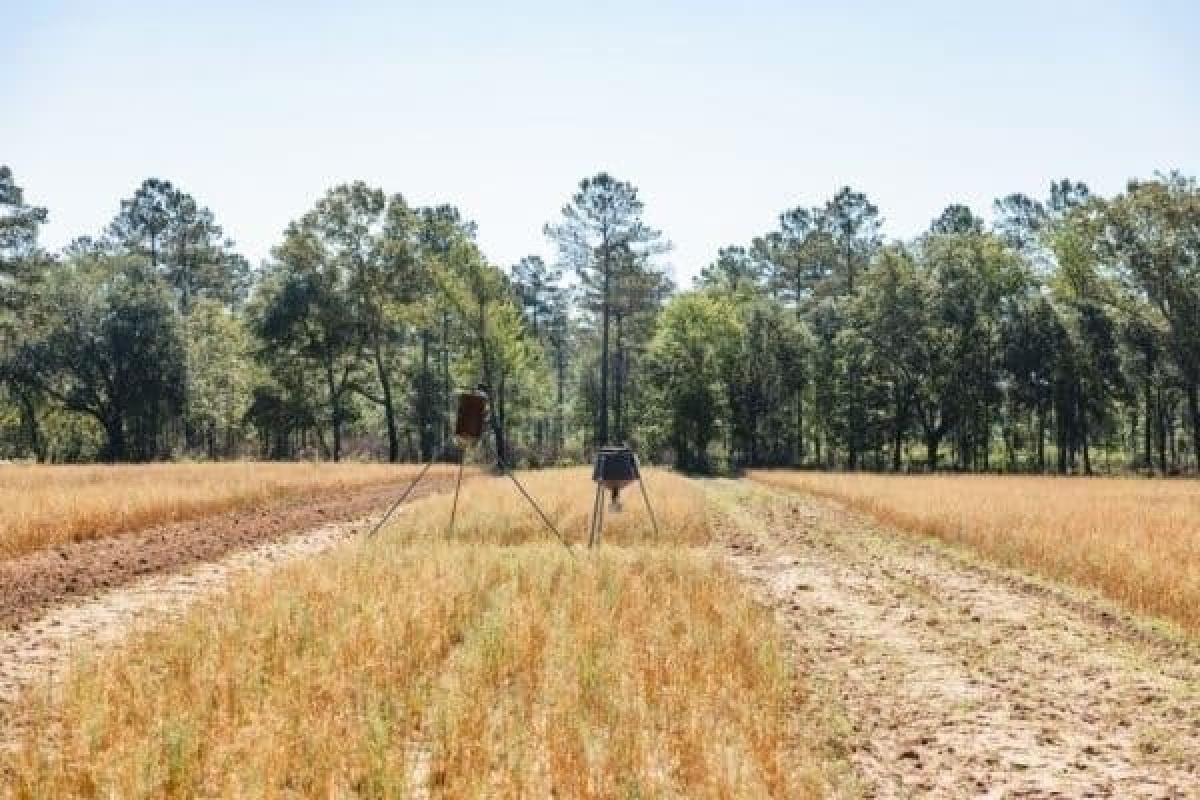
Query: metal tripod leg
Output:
(599,535)
(594,527)
(504,468)
(462,457)
(646,497)
(537,508)
(403,497)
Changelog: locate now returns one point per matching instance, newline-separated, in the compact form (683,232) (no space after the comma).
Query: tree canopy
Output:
(1062,334)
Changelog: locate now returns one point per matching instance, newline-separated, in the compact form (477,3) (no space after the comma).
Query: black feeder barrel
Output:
(472,409)
(615,467)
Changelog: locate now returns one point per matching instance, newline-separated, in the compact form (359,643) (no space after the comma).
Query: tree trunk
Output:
(898,434)
(1083,433)
(33,429)
(987,435)
(559,423)
(322,444)
(497,420)
(1010,445)
(800,425)
(1171,440)
(446,390)
(335,411)
(389,409)
(427,434)
(1060,436)
(1162,433)
(619,383)
(1193,395)
(115,448)
(1147,434)
(1041,437)
(932,441)
(602,421)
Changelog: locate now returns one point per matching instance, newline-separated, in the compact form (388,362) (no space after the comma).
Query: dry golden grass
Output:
(43,506)
(405,665)
(1136,541)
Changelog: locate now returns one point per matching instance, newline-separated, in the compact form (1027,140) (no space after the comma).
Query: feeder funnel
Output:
(472,409)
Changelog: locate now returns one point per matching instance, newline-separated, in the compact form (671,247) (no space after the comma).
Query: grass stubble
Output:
(1135,541)
(46,506)
(493,665)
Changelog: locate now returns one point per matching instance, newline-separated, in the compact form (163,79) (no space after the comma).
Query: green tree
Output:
(893,307)
(853,224)
(442,334)
(692,353)
(307,313)
(543,302)
(1152,231)
(368,243)
(601,232)
(19,255)
(112,350)
(735,271)
(1033,339)
(1018,220)
(503,354)
(21,264)
(957,219)
(222,375)
(183,243)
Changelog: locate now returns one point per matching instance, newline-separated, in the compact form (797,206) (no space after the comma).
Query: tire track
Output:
(960,680)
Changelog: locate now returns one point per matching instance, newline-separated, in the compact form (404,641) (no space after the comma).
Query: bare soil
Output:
(31,584)
(70,600)
(958,679)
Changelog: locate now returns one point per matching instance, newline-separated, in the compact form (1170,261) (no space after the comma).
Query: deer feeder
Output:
(616,468)
(468,430)
(472,410)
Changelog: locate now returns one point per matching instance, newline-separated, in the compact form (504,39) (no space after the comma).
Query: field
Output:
(495,665)
(47,506)
(1135,541)
(764,642)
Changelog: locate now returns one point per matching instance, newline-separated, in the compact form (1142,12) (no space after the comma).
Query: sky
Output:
(722,114)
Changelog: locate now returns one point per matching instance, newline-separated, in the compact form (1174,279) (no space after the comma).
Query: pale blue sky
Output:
(723,114)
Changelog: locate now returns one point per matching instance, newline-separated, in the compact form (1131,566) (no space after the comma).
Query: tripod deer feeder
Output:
(615,468)
(469,425)
(468,430)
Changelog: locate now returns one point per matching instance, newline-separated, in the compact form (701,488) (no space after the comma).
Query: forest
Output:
(1062,335)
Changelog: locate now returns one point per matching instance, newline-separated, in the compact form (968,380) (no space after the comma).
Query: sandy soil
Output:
(92,593)
(959,680)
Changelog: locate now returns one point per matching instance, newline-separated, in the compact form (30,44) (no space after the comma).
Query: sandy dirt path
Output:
(960,680)
(146,587)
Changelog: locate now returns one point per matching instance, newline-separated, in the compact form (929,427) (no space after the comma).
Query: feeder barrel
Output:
(472,408)
(615,467)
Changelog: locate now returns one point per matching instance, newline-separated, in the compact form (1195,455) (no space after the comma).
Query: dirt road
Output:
(959,680)
(72,599)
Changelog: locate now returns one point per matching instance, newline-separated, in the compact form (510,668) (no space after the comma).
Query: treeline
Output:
(1064,335)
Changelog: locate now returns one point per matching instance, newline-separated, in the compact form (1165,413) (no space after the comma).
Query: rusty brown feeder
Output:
(615,469)
(472,414)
